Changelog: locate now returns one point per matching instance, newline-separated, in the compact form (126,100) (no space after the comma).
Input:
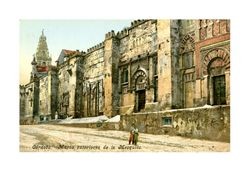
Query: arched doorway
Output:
(216,69)
(217,84)
(140,90)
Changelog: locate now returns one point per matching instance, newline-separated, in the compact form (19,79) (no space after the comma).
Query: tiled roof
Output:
(68,52)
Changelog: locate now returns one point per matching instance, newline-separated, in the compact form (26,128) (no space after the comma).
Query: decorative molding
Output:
(212,55)
(187,44)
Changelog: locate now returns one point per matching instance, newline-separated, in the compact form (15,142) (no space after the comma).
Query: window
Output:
(31,101)
(155,89)
(188,60)
(167,121)
(155,66)
(125,75)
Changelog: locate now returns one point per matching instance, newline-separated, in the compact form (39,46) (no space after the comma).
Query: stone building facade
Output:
(150,66)
(38,98)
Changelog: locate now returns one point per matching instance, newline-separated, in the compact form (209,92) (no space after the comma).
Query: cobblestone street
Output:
(51,138)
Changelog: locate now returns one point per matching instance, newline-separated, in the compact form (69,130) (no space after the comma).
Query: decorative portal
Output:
(212,55)
(217,63)
(140,81)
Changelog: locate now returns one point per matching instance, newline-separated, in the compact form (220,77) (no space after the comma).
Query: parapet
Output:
(96,47)
(110,34)
(137,22)
(122,33)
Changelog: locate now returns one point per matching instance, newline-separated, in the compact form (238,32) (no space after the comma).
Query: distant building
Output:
(153,65)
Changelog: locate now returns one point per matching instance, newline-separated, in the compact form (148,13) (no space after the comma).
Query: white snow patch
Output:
(207,106)
(114,119)
(84,120)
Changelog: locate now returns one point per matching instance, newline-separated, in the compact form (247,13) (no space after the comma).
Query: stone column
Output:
(129,76)
(49,93)
(205,91)
(150,89)
(227,77)
(197,30)
(111,58)
(150,72)
(164,63)
(198,90)
(72,89)
(209,28)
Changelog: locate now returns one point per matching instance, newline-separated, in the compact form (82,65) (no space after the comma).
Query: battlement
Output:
(122,33)
(83,52)
(110,34)
(96,47)
(137,22)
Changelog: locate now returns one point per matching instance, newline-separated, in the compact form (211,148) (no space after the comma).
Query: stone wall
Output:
(211,123)
(138,39)
(92,81)
(164,64)
(175,68)
(44,95)
(31,98)
(111,58)
(66,87)
(22,101)
(54,91)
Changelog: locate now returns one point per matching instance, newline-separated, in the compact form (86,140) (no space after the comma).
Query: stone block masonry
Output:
(212,123)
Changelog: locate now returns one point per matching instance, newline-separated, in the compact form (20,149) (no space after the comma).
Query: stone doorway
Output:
(219,90)
(140,100)
(140,85)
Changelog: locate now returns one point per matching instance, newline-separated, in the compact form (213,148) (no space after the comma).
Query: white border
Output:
(12,160)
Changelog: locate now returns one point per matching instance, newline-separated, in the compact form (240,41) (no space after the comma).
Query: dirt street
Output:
(54,138)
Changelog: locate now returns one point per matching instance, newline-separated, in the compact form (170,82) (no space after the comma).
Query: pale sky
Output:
(61,34)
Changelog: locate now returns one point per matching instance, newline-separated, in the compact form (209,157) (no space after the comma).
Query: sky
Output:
(61,34)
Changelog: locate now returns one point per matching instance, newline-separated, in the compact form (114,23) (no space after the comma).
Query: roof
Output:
(68,52)
(65,53)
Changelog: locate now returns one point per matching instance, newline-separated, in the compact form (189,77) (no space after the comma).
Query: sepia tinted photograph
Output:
(144,85)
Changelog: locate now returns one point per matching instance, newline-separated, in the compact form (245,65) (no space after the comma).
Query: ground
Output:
(54,138)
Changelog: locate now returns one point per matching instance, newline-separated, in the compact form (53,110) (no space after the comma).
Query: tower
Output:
(33,73)
(41,60)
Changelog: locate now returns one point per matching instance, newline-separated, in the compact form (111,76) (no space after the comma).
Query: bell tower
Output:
(42,59)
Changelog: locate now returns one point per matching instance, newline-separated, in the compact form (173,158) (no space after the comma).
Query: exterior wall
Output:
(111,57)
(201,43)
(45,99)
(173,61)
(213,43)
(92,86)
(204,123)
(54,91)
(164,64)
(22,101)
(66,87)
(137,47)
(26,110)
(80,83)
(48,94)
(29,100)
(29,97)
(176,79)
